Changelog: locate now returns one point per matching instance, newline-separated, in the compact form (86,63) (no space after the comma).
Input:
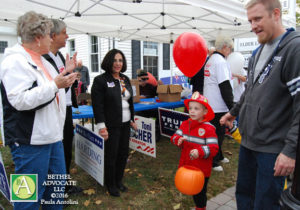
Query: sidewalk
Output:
(223,201)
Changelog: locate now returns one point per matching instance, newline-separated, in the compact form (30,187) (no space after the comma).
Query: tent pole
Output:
(172,61)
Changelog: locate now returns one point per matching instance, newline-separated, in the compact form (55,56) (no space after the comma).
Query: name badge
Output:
(110,84)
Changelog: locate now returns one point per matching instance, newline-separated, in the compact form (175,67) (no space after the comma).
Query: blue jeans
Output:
(257,188)
(41,160)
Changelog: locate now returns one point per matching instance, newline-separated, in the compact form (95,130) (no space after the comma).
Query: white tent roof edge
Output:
(226,16)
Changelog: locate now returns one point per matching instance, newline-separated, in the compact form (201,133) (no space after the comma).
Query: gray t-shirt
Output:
(265,55)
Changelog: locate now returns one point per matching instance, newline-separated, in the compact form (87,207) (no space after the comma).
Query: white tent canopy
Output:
(150,20)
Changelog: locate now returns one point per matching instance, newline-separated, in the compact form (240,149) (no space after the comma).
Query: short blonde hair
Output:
(32,25)
(222,41)
(270,5)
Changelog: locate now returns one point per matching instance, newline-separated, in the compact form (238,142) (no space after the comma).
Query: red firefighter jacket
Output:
(201,136)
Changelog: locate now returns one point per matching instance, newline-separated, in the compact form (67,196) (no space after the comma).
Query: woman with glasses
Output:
(112,101)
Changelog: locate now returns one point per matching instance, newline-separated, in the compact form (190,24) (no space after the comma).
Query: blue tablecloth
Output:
(145,104)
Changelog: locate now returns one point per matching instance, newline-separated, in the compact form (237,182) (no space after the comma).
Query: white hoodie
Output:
(30,111)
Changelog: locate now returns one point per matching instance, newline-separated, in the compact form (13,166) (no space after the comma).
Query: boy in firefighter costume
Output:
(198,141)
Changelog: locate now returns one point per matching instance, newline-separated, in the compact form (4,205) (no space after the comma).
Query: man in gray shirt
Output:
(85,77)
(269,110)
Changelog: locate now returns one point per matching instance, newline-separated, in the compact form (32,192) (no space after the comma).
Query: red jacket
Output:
(201,136)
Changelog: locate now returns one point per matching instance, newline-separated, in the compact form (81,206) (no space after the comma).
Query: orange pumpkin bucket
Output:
(189,180)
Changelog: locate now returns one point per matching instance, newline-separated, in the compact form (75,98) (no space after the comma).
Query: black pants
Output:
(116,154)
(220,131)
(200,199)
(68,138)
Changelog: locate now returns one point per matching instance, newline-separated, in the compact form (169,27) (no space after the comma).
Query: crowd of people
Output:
(34,103)
(39,86)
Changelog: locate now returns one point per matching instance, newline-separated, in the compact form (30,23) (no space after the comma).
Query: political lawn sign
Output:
(4,185)
(170,121)
(89,152)
(143,140)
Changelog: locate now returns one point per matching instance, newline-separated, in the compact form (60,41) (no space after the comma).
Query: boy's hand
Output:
(180,140)
(194,154)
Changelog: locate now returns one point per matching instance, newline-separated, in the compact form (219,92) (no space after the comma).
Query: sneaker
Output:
(225,160)
(218,168)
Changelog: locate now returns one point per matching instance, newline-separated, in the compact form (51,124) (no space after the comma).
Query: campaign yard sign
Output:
(143,140)
(4,185)
(89,153)
(170,121)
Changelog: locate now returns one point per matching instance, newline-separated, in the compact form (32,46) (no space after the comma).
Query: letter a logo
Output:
(23,187)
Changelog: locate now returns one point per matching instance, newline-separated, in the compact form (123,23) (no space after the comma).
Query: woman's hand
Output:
(194,154)
(133,125)
(71,63)
(240,77)
(103,132)
(63,81)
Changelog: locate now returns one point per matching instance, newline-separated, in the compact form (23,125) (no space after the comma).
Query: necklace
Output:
(123,86)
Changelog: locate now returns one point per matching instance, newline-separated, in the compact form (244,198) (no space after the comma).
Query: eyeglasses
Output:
(120,60)
(143,79)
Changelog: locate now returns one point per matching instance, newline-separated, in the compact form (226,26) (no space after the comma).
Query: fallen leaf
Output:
(89,191)
(98,202)
(86,203)
(152,192)
(140,175)
(73,171)
(228,152)
(177,206)
(127,170)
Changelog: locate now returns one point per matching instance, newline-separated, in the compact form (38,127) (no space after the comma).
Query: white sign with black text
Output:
(4,184)
(89,152)
(143,140)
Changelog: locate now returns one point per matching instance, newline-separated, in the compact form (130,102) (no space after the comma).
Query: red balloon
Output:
(189,53)
(152,79)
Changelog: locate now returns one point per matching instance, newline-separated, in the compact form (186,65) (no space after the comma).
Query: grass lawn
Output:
(150,181)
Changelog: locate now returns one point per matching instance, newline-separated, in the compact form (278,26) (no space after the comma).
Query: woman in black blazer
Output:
(112,100)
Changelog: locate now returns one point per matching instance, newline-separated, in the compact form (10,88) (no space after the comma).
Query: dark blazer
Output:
(107,101)
(73,93)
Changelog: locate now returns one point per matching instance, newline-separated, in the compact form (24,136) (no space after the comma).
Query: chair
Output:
(84,97)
